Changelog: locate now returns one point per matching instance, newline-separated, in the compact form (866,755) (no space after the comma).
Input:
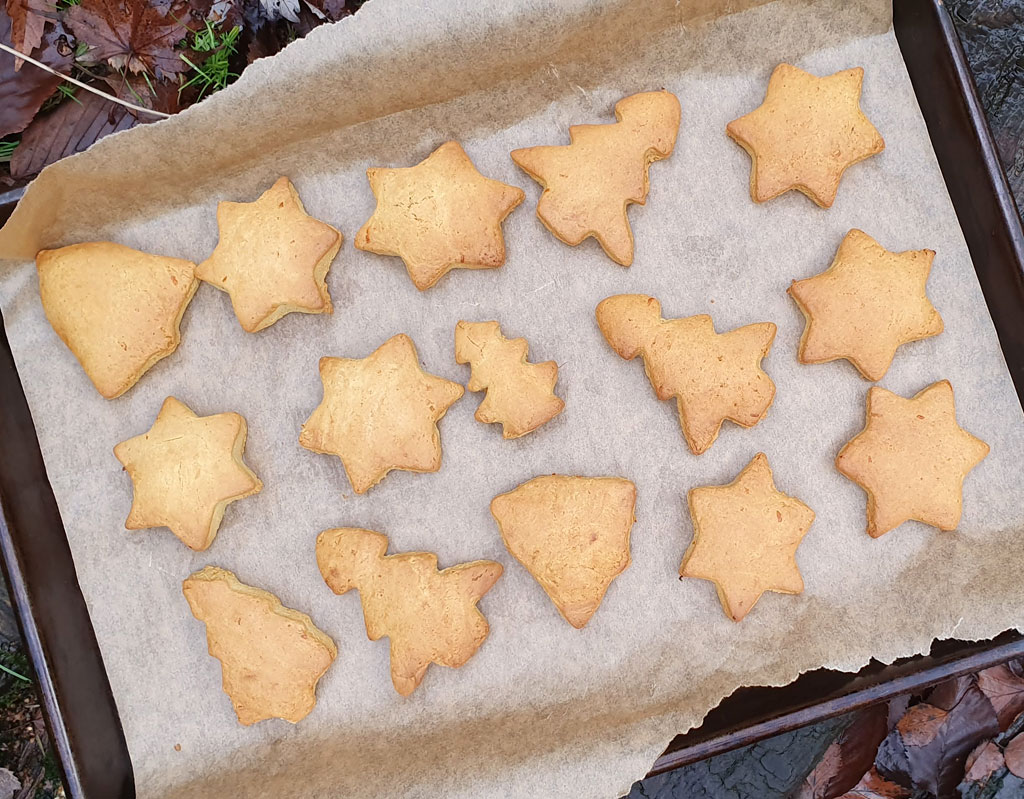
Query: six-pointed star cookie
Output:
(272,257)
(520,394)
(185,471)
(865,305)
(805,134)
(745,537)
(380,413)
(590,183)
(911,459)
(439,215)
(713,376)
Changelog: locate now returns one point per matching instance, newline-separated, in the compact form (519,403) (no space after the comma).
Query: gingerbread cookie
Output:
(271,656)
(186,470)
(571,534)
(712,376)
(745,537)
(430,616)
(865,305)
(272,257)
(589,184)
(805,134)
(117,309)
(520,395)
(380,413)
(911,459)
(439,215)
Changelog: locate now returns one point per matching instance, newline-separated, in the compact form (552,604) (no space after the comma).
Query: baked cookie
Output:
(185,471)
(712,376)
(571,534)
(272,257)
(430,616)
(117,309)
(380,413)
(865,305)
(589,184)
(520,395)
(271,656)
(805,134)
(911,459)
(745,537)
(438,215)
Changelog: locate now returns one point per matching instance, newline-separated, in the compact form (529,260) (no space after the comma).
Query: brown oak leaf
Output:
(1014,756)
(133,34)
(23,92)
(70,127)
(873,786)
(26,28)
(1005,690)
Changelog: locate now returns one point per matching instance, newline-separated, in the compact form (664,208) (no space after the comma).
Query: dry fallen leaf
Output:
(26,28)
(986,759)
(133,34)
(1005,690)
(70,127)
(23,92)
(848,757)
(873,786)
(1014,756)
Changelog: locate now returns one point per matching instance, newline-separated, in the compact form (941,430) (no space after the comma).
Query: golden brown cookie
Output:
(712,376)
(430,616)
(589,184)
(571,534)
(745,537)
(911,459)
(271,656)
(520,395)
(865,305)
(185,471)
(439,215)
(805,134)
(117,309)
(380,413)
(272,257)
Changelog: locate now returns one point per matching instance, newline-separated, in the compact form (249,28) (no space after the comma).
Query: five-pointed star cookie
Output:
(911,459)
(745,537)
(590,183)
(439,215)
(865,305)
(117,309)
(805,134)
(271,656)
(272,257)
(380,413)
(520,395)
(713,376)
(185,471)
(572,534)
(430,616)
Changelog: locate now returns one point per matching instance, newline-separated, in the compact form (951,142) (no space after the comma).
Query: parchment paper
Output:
(542,709)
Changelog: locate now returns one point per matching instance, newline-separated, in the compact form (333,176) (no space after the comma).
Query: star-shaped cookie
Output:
(185,471)
(865,305)
(117,309)
(745,537)
(520,395)
(712,376)
(805,134)
(271,656)
(572,534)
(439,215)
(911,459)
(380,413)
(272,257)
(590,183)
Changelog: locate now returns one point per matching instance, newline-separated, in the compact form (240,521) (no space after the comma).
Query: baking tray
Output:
(54,619)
